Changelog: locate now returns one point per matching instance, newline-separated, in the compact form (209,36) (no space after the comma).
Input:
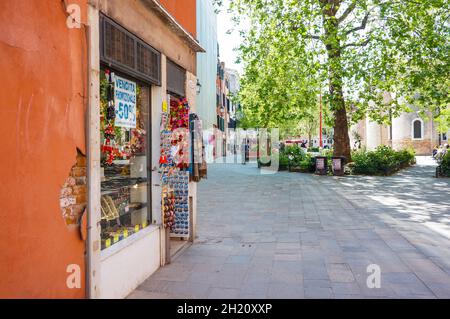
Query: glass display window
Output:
(125,155)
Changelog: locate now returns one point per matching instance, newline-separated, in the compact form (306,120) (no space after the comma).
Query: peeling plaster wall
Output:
(73,198)
(43,65)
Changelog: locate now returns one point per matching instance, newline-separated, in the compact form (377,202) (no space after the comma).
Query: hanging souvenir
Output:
(180,183)
(168,207)
(110,110)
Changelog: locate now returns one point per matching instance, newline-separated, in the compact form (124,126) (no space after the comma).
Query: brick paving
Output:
(293,235)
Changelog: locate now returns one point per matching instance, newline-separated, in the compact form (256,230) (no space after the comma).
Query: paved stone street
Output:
(293,235)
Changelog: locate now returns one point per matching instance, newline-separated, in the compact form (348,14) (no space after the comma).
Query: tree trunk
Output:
(337,102)
(341,138)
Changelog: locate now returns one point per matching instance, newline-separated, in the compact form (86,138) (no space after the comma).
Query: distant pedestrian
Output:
(442,150)
(435,150)
(244,151)
(247,150)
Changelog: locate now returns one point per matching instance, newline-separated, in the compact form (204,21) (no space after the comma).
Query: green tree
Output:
(279,89)
(362,49)
(307,126)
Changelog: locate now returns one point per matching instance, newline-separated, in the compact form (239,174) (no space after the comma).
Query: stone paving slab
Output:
(291,235)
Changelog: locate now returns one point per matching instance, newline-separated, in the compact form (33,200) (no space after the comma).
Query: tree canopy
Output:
(360,50)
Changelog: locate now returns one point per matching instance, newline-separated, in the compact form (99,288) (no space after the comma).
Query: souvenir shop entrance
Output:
(127,249)
(142,194)
(175,163)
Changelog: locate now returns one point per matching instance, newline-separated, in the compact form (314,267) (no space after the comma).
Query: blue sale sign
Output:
(125,102)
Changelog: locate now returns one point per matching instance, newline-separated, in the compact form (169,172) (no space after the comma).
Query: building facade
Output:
(93,84)
(45,71)
(232,84)
(206,74)
(406,130)
(232,80)
(220,136)
(207,63)
(227,88)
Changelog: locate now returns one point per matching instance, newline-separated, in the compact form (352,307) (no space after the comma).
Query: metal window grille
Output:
(126,52)
(176,78)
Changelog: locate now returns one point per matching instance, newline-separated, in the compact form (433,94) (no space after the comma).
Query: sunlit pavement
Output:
(293,235)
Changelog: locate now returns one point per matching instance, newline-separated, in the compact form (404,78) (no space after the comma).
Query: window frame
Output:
(173,71)
(148,84)
(421,129)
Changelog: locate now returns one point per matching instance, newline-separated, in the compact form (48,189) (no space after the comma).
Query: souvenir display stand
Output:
(174,164)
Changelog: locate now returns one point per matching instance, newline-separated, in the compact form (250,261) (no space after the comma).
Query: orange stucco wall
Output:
(184,11)
(43,70)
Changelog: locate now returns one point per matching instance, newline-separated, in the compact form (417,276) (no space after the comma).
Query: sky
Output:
(227,42)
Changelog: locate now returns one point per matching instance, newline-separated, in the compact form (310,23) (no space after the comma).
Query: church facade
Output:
(407,130)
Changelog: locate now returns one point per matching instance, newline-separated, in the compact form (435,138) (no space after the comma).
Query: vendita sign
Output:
(125,102)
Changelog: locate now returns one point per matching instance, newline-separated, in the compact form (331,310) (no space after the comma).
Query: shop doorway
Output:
(178,235)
